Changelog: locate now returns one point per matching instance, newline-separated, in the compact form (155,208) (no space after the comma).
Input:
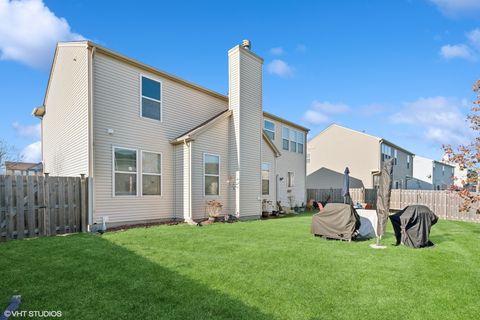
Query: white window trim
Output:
(141,75)
(274,128)
(211,175)
(114,171)
(151,174)
(269,178)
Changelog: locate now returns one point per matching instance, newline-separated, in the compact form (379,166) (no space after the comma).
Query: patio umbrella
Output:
(346,185)
(383,196)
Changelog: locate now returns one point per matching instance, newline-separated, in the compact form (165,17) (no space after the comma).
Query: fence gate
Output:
(36,206)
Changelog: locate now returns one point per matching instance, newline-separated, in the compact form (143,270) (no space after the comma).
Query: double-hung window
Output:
(151,174)
(293,140)
(285,138)
(408,161)
(395,156)
(125,171)
(269,129)
(211,165)
(151,98)
(265,178)
(300,141)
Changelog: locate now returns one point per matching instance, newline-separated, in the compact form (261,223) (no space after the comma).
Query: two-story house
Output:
(157,147)
(338,147)
(431,174)
(23,168)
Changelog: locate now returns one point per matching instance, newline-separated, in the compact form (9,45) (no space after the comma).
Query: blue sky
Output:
(399,69)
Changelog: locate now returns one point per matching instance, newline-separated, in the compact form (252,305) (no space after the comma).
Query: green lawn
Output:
(271,269)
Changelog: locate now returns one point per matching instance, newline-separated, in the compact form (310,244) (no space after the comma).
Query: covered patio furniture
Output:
(336,221)
(412,226)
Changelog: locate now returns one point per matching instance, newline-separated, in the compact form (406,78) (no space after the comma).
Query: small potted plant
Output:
(214,208)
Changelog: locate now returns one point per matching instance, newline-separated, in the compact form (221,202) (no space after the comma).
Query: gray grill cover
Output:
(336,221)
(412,226)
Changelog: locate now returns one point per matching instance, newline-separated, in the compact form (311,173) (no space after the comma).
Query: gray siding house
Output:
(430,174)
(338,147)
(158,147)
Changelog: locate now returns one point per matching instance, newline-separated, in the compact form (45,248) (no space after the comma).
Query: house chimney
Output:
(245,101)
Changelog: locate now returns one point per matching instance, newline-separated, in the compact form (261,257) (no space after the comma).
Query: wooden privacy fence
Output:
(36,206)
(445,204)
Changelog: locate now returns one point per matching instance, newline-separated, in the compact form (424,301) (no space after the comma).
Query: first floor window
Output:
(291,178)
(151,174)
(212,174)
(265,178)
(125,168)
(285,138)
(151,98)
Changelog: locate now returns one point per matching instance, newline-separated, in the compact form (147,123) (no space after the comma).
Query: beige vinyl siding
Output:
(117,107)
(213,141)
(269,157)
(290,162)
(246,102)
(65,124)
(336,148)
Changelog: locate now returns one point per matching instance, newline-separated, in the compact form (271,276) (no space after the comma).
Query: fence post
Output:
(84,203)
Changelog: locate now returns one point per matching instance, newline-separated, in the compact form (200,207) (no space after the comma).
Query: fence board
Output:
(3,219)
(61,204)
(31,210)
(9,206)
(20,207)
(40,202)
(53,186)
(70,202)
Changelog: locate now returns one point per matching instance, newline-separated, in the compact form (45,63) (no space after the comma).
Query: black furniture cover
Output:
(412,226)
(336,221)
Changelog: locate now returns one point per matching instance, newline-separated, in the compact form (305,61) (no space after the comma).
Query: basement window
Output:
(125,172)
(151,98)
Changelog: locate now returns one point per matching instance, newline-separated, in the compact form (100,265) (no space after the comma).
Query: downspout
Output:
(90,136)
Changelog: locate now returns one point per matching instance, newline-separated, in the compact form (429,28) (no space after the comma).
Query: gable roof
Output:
(287,122)
(190,134)
(11,165)
(379,139)
(271,144)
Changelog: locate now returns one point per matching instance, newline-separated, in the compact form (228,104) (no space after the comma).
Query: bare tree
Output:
(467,156)
(8,153)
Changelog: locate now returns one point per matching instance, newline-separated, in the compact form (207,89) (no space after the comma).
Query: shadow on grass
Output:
(87,277)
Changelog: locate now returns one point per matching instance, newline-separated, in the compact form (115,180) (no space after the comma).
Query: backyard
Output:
(271,269)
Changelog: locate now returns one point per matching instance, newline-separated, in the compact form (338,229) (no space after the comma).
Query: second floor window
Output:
(151,99)
(269,128)
(285,138)
(386,152)
(408,161)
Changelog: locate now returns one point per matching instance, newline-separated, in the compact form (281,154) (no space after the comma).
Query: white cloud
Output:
(29,32)
(330,108)
(461,51)
(315,117)
(280,68)
(319,111)
(474,37)
(455,8)
(278,51)
(439,119)
(32,152)
(27,131)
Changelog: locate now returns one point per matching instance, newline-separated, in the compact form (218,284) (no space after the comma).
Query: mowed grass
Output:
(273,269)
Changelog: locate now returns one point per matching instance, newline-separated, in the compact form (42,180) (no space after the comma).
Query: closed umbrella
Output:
(383,199)
(346,185)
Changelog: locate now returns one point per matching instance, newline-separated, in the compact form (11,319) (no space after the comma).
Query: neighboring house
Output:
(158,147)
(430,174)
(460,179)
(23,168)
(338,147)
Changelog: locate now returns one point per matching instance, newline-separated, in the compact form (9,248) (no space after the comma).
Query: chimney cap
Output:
(246,44)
